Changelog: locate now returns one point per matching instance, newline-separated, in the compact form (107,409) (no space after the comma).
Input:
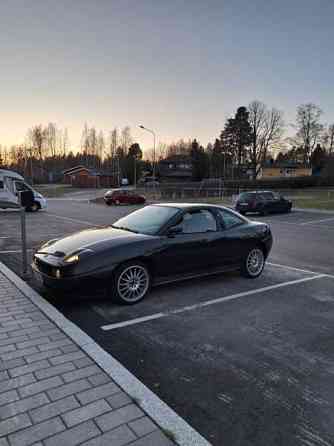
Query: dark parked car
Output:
(263,202)
(156,244)
(123,196)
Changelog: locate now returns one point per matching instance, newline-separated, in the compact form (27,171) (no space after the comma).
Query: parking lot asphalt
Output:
(245,362)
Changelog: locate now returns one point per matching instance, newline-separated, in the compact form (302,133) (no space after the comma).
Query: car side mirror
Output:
(174,230)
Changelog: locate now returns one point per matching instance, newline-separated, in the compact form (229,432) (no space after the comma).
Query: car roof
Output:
(184,206)
(256,192)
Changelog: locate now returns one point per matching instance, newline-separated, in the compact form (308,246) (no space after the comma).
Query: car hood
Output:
(96,239)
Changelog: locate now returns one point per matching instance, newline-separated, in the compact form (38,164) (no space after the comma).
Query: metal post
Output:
(31,169)
(118,172)
(153,167)
(23,239)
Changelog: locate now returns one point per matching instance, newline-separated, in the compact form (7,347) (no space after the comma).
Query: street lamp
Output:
(154,137)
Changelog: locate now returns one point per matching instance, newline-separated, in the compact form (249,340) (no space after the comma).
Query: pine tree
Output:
(236,135)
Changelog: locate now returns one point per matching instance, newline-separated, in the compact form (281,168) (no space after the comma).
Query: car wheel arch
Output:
(141,259)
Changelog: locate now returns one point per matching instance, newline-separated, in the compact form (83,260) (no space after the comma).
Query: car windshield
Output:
(148,220)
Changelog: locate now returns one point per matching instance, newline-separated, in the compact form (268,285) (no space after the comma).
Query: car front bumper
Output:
(42,202)
(89,281)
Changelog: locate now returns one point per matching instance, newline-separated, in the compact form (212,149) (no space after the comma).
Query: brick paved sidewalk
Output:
(52,393)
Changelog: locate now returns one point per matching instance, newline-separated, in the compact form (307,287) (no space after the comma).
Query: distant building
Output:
(81,176)
(71,175)
(175,168)
(284,170)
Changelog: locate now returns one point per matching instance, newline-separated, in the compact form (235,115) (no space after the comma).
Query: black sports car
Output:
(156,244)
(263,202)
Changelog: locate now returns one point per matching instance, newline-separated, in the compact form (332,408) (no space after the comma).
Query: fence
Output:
(197,192)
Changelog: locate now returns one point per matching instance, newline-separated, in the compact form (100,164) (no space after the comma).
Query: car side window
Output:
(268,196)
(230,220)
(20,186)
(198,222)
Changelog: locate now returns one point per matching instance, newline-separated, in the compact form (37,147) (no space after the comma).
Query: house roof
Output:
(92,172)
(74,169)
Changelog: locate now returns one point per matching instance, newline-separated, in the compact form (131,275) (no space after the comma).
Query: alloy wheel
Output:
(133,283)
(255,262)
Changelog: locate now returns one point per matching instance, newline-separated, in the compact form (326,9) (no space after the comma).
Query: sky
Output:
(179,67)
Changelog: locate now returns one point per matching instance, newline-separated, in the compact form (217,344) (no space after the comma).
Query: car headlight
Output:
(72,258)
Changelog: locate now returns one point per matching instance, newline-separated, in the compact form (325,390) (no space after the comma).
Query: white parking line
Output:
(13,251)
(74,220)
(208,303)
(293,268)
(313,222)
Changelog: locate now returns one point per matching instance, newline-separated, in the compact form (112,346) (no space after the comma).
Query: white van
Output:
(10,184)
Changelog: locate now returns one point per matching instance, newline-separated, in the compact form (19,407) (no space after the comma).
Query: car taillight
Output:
(253,204)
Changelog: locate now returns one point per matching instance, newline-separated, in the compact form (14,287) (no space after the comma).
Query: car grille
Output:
(44,267)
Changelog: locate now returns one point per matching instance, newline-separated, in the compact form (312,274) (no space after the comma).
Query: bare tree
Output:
(113,142)
(92,138)
(2,162)
(328,139)
(100,146)
(17,157)
(65,142)
(309,127)
(50,139)
(180,147)
(267,130)
(126,139)
(85,140)
(37,138)
(160,152)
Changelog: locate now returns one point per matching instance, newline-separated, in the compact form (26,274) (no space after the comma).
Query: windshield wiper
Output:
(123,228)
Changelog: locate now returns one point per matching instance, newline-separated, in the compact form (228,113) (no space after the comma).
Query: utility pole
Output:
(154,141)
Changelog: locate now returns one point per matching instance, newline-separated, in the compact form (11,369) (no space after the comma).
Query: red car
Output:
(122,196)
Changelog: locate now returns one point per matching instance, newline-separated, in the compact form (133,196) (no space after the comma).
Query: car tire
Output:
(108,203)
(132,282)
(253,264)
(34,208)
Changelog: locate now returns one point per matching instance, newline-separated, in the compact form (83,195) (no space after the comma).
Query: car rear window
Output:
(230,219)
(246,196)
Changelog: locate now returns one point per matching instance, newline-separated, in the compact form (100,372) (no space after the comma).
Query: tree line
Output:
(253,135)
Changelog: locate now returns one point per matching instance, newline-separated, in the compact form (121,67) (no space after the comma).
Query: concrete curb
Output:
(162,414)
